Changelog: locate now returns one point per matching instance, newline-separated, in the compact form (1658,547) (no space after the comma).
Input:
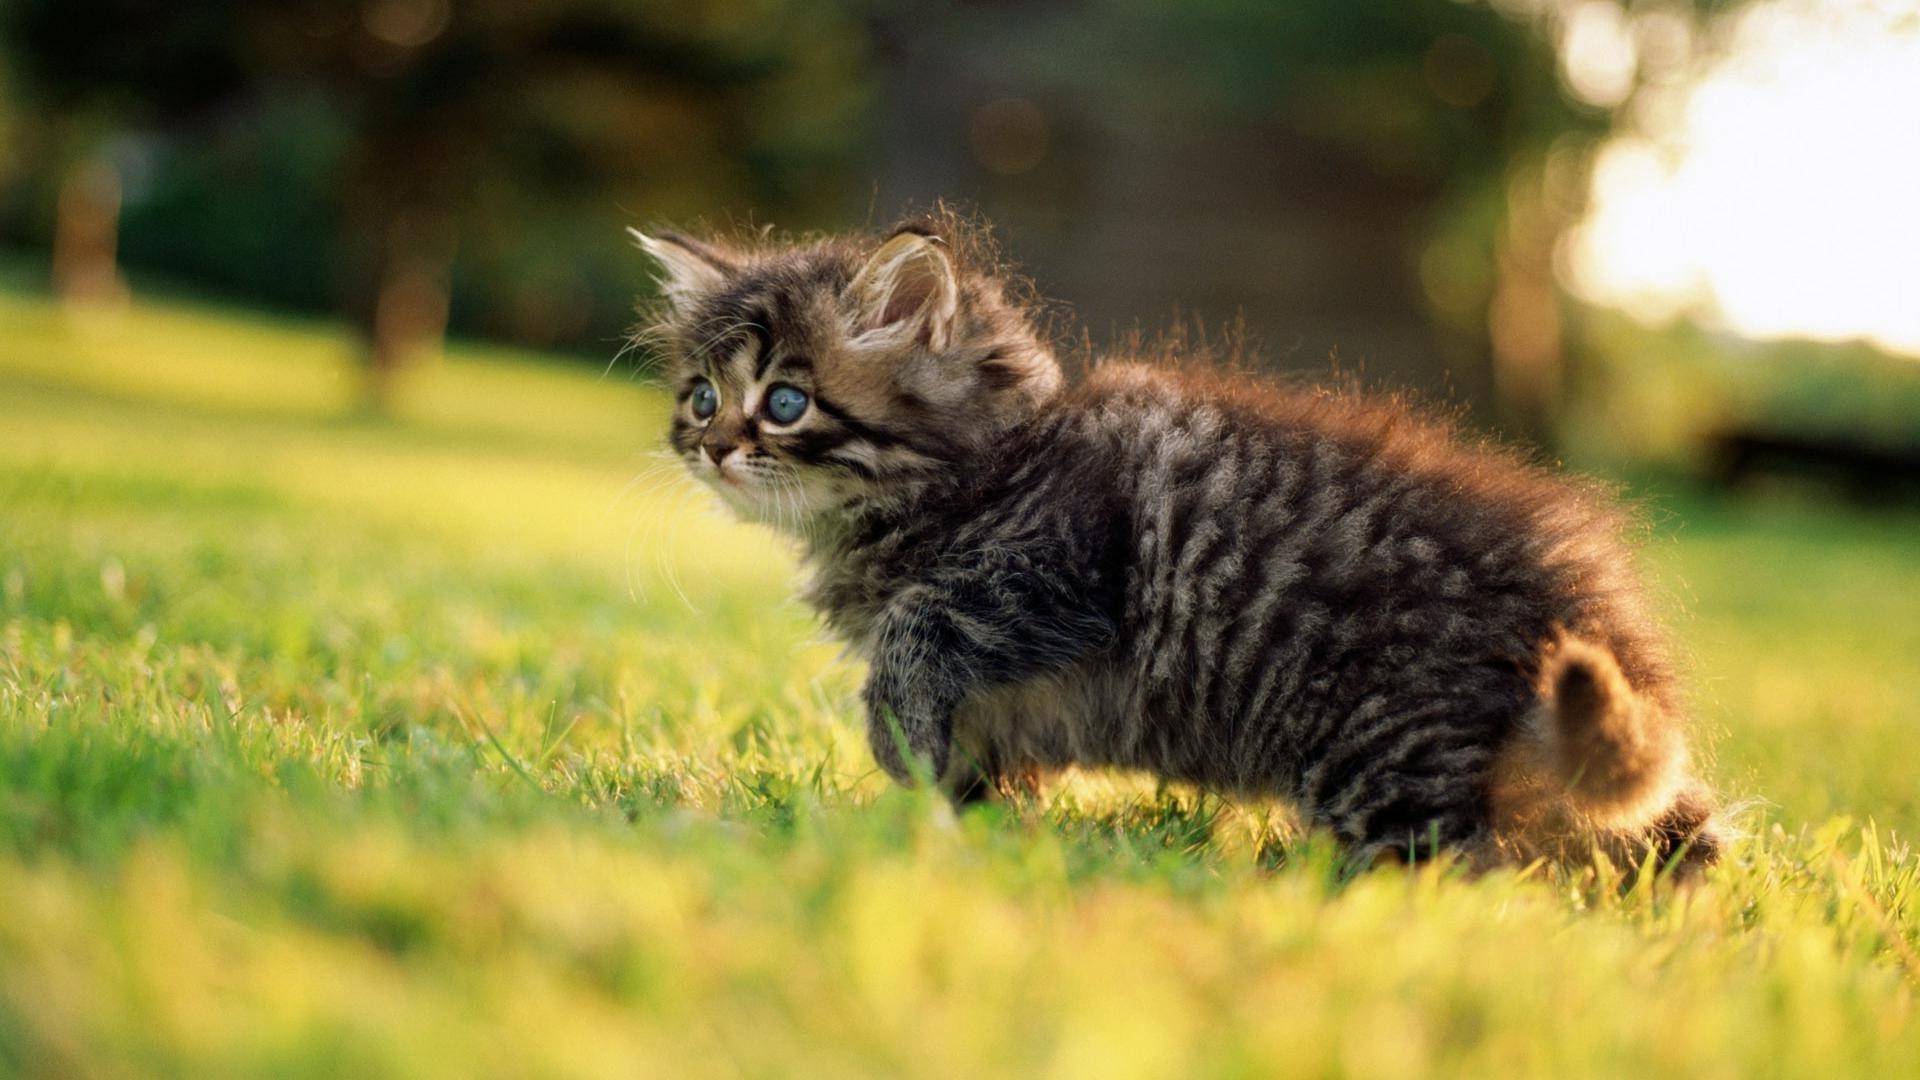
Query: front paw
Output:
(907,743)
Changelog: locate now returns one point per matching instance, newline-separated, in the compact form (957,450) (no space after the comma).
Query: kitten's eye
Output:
(706,400)
(786,403)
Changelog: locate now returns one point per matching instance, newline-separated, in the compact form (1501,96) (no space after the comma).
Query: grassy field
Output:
(474,742)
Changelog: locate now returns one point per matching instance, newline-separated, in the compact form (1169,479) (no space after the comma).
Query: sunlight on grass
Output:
(437,745)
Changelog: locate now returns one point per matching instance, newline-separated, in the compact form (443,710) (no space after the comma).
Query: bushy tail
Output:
(1619,758)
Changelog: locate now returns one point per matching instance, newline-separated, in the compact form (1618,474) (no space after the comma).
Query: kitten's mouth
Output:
(718,473)
(736,482)
(767,498)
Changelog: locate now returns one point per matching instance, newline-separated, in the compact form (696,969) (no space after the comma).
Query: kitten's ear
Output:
(689,269)
(907,290)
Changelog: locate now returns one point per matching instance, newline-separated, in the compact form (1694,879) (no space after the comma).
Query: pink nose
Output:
(718,450)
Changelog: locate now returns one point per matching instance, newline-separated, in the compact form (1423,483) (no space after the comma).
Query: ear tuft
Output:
(689,269)
(907,290)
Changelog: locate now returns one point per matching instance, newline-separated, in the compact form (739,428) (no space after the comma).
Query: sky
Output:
(1771,189)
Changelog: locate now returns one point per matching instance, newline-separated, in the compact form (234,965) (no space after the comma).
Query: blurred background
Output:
(1668,232)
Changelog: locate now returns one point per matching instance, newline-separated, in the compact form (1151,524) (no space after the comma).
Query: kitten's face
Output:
(807,378)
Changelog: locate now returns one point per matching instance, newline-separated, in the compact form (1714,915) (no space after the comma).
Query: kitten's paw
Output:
(889,750)
(904,749)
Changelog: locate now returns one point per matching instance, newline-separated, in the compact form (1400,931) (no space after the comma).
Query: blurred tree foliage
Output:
(387,158)
(413,162)
(1396,174)
(1451,114)
(1426,154)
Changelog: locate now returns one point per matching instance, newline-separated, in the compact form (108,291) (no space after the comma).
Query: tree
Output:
(86,71)
(483,119)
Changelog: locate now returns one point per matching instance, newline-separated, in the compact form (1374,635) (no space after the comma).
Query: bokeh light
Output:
(1775,196)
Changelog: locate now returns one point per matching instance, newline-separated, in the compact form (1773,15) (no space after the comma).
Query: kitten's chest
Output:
(851,593)
(877,563)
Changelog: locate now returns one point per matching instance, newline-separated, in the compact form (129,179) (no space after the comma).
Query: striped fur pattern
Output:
(1419,641)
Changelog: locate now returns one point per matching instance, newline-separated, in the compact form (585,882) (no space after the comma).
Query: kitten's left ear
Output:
(689,268)
(907,290)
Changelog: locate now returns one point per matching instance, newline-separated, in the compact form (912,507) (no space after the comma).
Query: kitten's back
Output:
(1337,599)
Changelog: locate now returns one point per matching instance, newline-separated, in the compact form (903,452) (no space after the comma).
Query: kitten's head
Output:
(811,375)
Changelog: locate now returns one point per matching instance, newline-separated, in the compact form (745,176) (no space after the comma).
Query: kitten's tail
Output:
(1618,755)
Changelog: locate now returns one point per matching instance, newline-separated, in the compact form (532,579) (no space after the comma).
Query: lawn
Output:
(473,741)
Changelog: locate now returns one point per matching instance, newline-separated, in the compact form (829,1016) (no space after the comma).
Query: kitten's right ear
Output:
(689,269)
(907,291)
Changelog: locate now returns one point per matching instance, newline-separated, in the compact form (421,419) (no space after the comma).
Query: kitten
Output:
(1421,643)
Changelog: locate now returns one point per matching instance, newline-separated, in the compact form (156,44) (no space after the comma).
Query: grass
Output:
(438,746)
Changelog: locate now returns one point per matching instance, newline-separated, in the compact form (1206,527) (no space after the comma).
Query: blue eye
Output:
(786,403)
(706,400)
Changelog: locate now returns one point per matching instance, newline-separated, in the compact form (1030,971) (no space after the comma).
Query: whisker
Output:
(667,470)
(646,482)
(669,533)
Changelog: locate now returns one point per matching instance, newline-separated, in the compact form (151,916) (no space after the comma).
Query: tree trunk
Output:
(86,236)
(1523,315)
(404,317)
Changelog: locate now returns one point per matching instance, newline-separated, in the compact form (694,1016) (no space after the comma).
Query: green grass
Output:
(436,746)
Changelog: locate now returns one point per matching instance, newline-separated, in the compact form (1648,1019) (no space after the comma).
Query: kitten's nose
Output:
(718,450)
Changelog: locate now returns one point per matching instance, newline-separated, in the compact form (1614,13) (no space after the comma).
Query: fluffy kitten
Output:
(1417,641)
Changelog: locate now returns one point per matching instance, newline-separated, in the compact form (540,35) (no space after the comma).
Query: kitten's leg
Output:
(1692,829)
(1422,829)
(999,616)
(909,717)
(1412,783)
(974,777)
(976,772)
(1684,840)
(968,782)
